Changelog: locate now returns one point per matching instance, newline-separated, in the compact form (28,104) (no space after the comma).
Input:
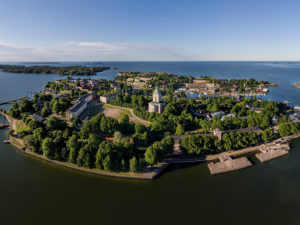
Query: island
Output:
(139,123)
(61,70)
(297,85)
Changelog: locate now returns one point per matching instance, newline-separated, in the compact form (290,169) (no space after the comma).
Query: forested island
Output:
(61,70)
(139,122)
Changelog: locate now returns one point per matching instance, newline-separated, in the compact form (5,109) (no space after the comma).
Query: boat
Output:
(297,108)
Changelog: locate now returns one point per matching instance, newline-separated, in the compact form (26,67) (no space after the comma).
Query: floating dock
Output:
(227,164)
(272,154)
(273,150)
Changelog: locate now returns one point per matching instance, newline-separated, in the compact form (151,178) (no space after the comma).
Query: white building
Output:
(79,106)
(106,98)
(156,106)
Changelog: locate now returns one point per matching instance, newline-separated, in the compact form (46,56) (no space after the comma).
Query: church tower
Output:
(157,105)
(156,95)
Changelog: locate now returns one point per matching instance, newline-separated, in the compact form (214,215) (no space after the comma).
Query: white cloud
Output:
(85,51)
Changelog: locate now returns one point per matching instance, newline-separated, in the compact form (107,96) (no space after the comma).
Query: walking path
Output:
(145,122)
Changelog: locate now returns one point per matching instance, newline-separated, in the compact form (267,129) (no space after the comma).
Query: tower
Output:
(157,105)
(156,95)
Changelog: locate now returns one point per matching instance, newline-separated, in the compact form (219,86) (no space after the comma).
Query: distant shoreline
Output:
(60,70)
(297,85)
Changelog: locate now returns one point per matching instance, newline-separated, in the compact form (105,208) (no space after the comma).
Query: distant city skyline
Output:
(156,30)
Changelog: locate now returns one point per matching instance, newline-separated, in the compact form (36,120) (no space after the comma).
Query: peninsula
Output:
(139,123)
(61,70)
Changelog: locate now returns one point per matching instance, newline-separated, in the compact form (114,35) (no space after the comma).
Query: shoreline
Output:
(150,175)
(297,85)
(153,172)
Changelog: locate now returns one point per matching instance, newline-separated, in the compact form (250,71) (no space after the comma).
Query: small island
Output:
(139,123)
(61,70)
(297,85)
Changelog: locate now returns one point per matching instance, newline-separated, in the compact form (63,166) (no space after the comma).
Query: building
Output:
(275,120)
(218,114)
(156,106)
(227,116)
(106,98)
(218,133)
(293,118)
(37,117)
(79,106)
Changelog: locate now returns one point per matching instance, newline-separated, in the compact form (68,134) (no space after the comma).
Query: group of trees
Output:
(159,150)
(61,70)
(131,101)
(288,128)
(242,83)
(18,108)
(40,103)
(92,145)
(157,78)
(202,144)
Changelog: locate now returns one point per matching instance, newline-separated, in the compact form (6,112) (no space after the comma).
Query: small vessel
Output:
(297,108)
(286,102)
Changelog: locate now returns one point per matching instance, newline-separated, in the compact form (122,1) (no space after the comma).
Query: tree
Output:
(107,165)
(151,156)
(267,135)
(11,131)
(48,147)
(285,129)
(133,164)
(141,163)
(123,165)
(118,137)
(44,112)
(84,158)
(53,123)
(179,130)
(73,146)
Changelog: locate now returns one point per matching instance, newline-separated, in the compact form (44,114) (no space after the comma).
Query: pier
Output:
(273,150)
(227,164)
(13,100)
(3,125)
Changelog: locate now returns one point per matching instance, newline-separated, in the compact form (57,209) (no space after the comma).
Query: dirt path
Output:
(13,125)
(133,116)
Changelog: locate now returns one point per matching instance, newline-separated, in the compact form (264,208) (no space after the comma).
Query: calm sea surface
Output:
(35,192)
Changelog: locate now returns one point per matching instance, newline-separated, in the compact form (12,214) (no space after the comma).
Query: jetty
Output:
(273,150)
(227,164)
(3,125)
(13,100)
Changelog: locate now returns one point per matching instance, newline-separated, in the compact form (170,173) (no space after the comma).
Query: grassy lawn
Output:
(195,131)
(15,142)
(21,126)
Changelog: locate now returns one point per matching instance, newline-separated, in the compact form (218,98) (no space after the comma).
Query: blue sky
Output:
(125,30)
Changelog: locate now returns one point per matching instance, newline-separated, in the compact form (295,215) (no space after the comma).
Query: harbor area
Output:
(228,164)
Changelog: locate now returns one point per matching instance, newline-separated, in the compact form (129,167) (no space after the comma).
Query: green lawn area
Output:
(195,131)
(21,126)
